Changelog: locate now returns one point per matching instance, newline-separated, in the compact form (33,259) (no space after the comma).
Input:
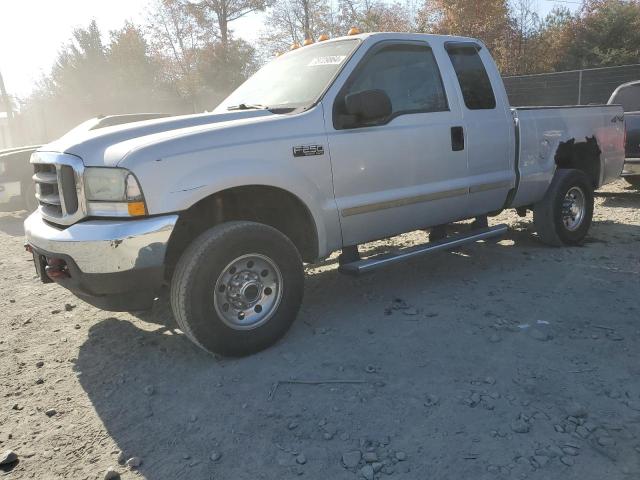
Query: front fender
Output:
(176,173)
(192,186)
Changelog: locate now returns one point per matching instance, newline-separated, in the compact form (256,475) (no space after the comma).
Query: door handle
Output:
(457,139)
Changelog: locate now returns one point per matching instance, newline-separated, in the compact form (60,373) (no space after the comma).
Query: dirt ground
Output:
(504,359)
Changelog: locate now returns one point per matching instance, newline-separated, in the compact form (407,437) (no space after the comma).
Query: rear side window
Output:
(472,76)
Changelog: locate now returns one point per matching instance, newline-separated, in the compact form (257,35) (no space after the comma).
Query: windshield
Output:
(295,79)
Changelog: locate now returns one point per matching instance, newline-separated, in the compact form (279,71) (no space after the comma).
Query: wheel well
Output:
(583,156)
(269,205)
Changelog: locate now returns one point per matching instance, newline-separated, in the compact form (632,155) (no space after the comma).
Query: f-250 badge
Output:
(308,150)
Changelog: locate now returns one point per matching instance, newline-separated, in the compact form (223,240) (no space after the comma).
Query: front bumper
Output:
(113,264)
(631,167)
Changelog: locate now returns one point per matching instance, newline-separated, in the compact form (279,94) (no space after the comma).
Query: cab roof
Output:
(405,36)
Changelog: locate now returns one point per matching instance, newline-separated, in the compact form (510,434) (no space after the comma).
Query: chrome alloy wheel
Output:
(248,292)
(573,208)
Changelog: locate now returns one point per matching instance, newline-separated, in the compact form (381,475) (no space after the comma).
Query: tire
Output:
(249,263)
(555,224)
(634,181)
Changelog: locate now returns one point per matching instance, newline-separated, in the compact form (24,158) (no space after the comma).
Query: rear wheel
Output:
(564,215)
(634,181)
(237,288)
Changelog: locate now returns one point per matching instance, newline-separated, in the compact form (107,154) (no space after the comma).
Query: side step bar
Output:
(379,261)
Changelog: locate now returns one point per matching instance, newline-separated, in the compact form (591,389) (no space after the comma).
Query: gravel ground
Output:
(504,359)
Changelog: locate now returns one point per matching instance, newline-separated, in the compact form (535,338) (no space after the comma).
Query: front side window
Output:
(409,76)
(294,80)
(472,76)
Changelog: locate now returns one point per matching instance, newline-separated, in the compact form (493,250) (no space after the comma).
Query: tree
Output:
(487,20)
(222,69)
(293,21)
(176,40)
(553,40)
(223,12)
(607,32)
(77,88)
(602,33)
(129,58)
(136,80)
(79,70)
(523,33)
(224,62)
(375,16)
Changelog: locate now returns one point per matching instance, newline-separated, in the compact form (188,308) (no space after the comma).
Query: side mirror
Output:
(368,105)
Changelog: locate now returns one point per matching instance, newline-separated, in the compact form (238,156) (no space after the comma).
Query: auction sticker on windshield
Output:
(328,60)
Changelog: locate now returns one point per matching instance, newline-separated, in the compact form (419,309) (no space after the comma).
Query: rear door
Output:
(488,124)
(410,170)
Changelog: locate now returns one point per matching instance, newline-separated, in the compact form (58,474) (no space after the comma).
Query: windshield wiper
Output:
(248,106)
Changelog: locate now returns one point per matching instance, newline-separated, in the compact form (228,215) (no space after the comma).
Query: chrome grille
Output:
(47,190)
(59,187)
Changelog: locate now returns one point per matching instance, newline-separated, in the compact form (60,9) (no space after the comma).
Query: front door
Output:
(408,171)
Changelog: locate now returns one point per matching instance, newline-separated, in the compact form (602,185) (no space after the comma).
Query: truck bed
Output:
(541,130)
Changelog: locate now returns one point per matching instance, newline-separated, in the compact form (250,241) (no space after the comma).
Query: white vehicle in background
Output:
(327,147)
(17,190)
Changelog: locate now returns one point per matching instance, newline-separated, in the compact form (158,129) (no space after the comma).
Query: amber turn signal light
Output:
(137,209)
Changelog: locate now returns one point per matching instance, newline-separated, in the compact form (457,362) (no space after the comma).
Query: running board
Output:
(379,261)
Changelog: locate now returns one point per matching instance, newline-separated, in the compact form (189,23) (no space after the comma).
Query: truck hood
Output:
(109,146)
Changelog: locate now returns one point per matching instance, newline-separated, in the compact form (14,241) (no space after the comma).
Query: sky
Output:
(32,31)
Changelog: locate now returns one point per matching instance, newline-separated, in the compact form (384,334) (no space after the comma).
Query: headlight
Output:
(113,192)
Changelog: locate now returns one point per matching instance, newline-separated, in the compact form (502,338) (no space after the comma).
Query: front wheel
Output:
(237,288)
(564,215)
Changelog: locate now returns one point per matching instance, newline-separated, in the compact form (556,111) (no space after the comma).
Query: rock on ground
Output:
(8,457)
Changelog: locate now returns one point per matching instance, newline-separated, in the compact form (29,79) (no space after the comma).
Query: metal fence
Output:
(576,87)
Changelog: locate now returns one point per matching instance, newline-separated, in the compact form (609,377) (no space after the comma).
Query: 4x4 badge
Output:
(308,150)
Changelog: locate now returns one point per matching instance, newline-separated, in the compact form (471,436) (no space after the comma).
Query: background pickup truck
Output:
(326,147)
(628,95)
(16,185)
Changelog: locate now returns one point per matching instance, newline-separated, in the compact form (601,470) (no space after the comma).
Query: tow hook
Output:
(57,269)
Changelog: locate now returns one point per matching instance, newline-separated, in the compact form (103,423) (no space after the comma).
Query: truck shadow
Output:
(164,400)
(629,198)
(161,313)
(11,223)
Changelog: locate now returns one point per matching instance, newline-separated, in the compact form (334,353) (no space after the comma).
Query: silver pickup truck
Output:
(326,147)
